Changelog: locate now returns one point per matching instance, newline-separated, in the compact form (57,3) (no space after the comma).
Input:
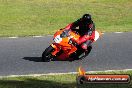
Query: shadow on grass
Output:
(36,83)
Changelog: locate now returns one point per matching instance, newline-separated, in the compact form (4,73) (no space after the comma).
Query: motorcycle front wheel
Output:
(46,55)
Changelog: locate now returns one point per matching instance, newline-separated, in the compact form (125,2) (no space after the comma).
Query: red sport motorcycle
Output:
(64,46)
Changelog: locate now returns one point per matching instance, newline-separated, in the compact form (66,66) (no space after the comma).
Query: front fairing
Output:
(61,42)
(62,37)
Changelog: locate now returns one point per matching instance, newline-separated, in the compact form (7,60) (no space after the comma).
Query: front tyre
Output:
(46,55)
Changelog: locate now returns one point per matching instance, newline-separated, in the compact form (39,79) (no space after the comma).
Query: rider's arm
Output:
(73,25)
(91,29)
(87,40)
(68,27)
(88,35)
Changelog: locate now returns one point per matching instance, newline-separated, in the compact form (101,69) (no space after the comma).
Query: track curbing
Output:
(40,36)
(36,75)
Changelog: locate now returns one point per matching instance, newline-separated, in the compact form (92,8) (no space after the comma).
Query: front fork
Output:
(56,49)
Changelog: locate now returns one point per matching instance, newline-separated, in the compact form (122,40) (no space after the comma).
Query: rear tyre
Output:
(88,51)
(46,55)
(83,54)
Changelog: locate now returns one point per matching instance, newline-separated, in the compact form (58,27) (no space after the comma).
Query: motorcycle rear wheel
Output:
(88,51)
(81,55)
(46,55)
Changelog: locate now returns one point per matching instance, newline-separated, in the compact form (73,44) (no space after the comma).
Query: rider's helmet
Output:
(86,18)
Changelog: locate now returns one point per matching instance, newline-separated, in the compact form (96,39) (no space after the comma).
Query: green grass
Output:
(42,17)
(58,81)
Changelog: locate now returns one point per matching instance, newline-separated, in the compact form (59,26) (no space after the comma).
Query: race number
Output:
(57,39)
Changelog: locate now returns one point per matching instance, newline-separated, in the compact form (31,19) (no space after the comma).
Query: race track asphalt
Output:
(20,56)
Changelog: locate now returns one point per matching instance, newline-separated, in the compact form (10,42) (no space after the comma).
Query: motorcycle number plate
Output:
(57,39)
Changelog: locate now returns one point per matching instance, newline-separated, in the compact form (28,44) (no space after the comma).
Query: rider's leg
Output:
(86,44)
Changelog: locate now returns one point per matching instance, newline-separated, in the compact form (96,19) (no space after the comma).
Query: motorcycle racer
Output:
(86,28)
(73,42)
